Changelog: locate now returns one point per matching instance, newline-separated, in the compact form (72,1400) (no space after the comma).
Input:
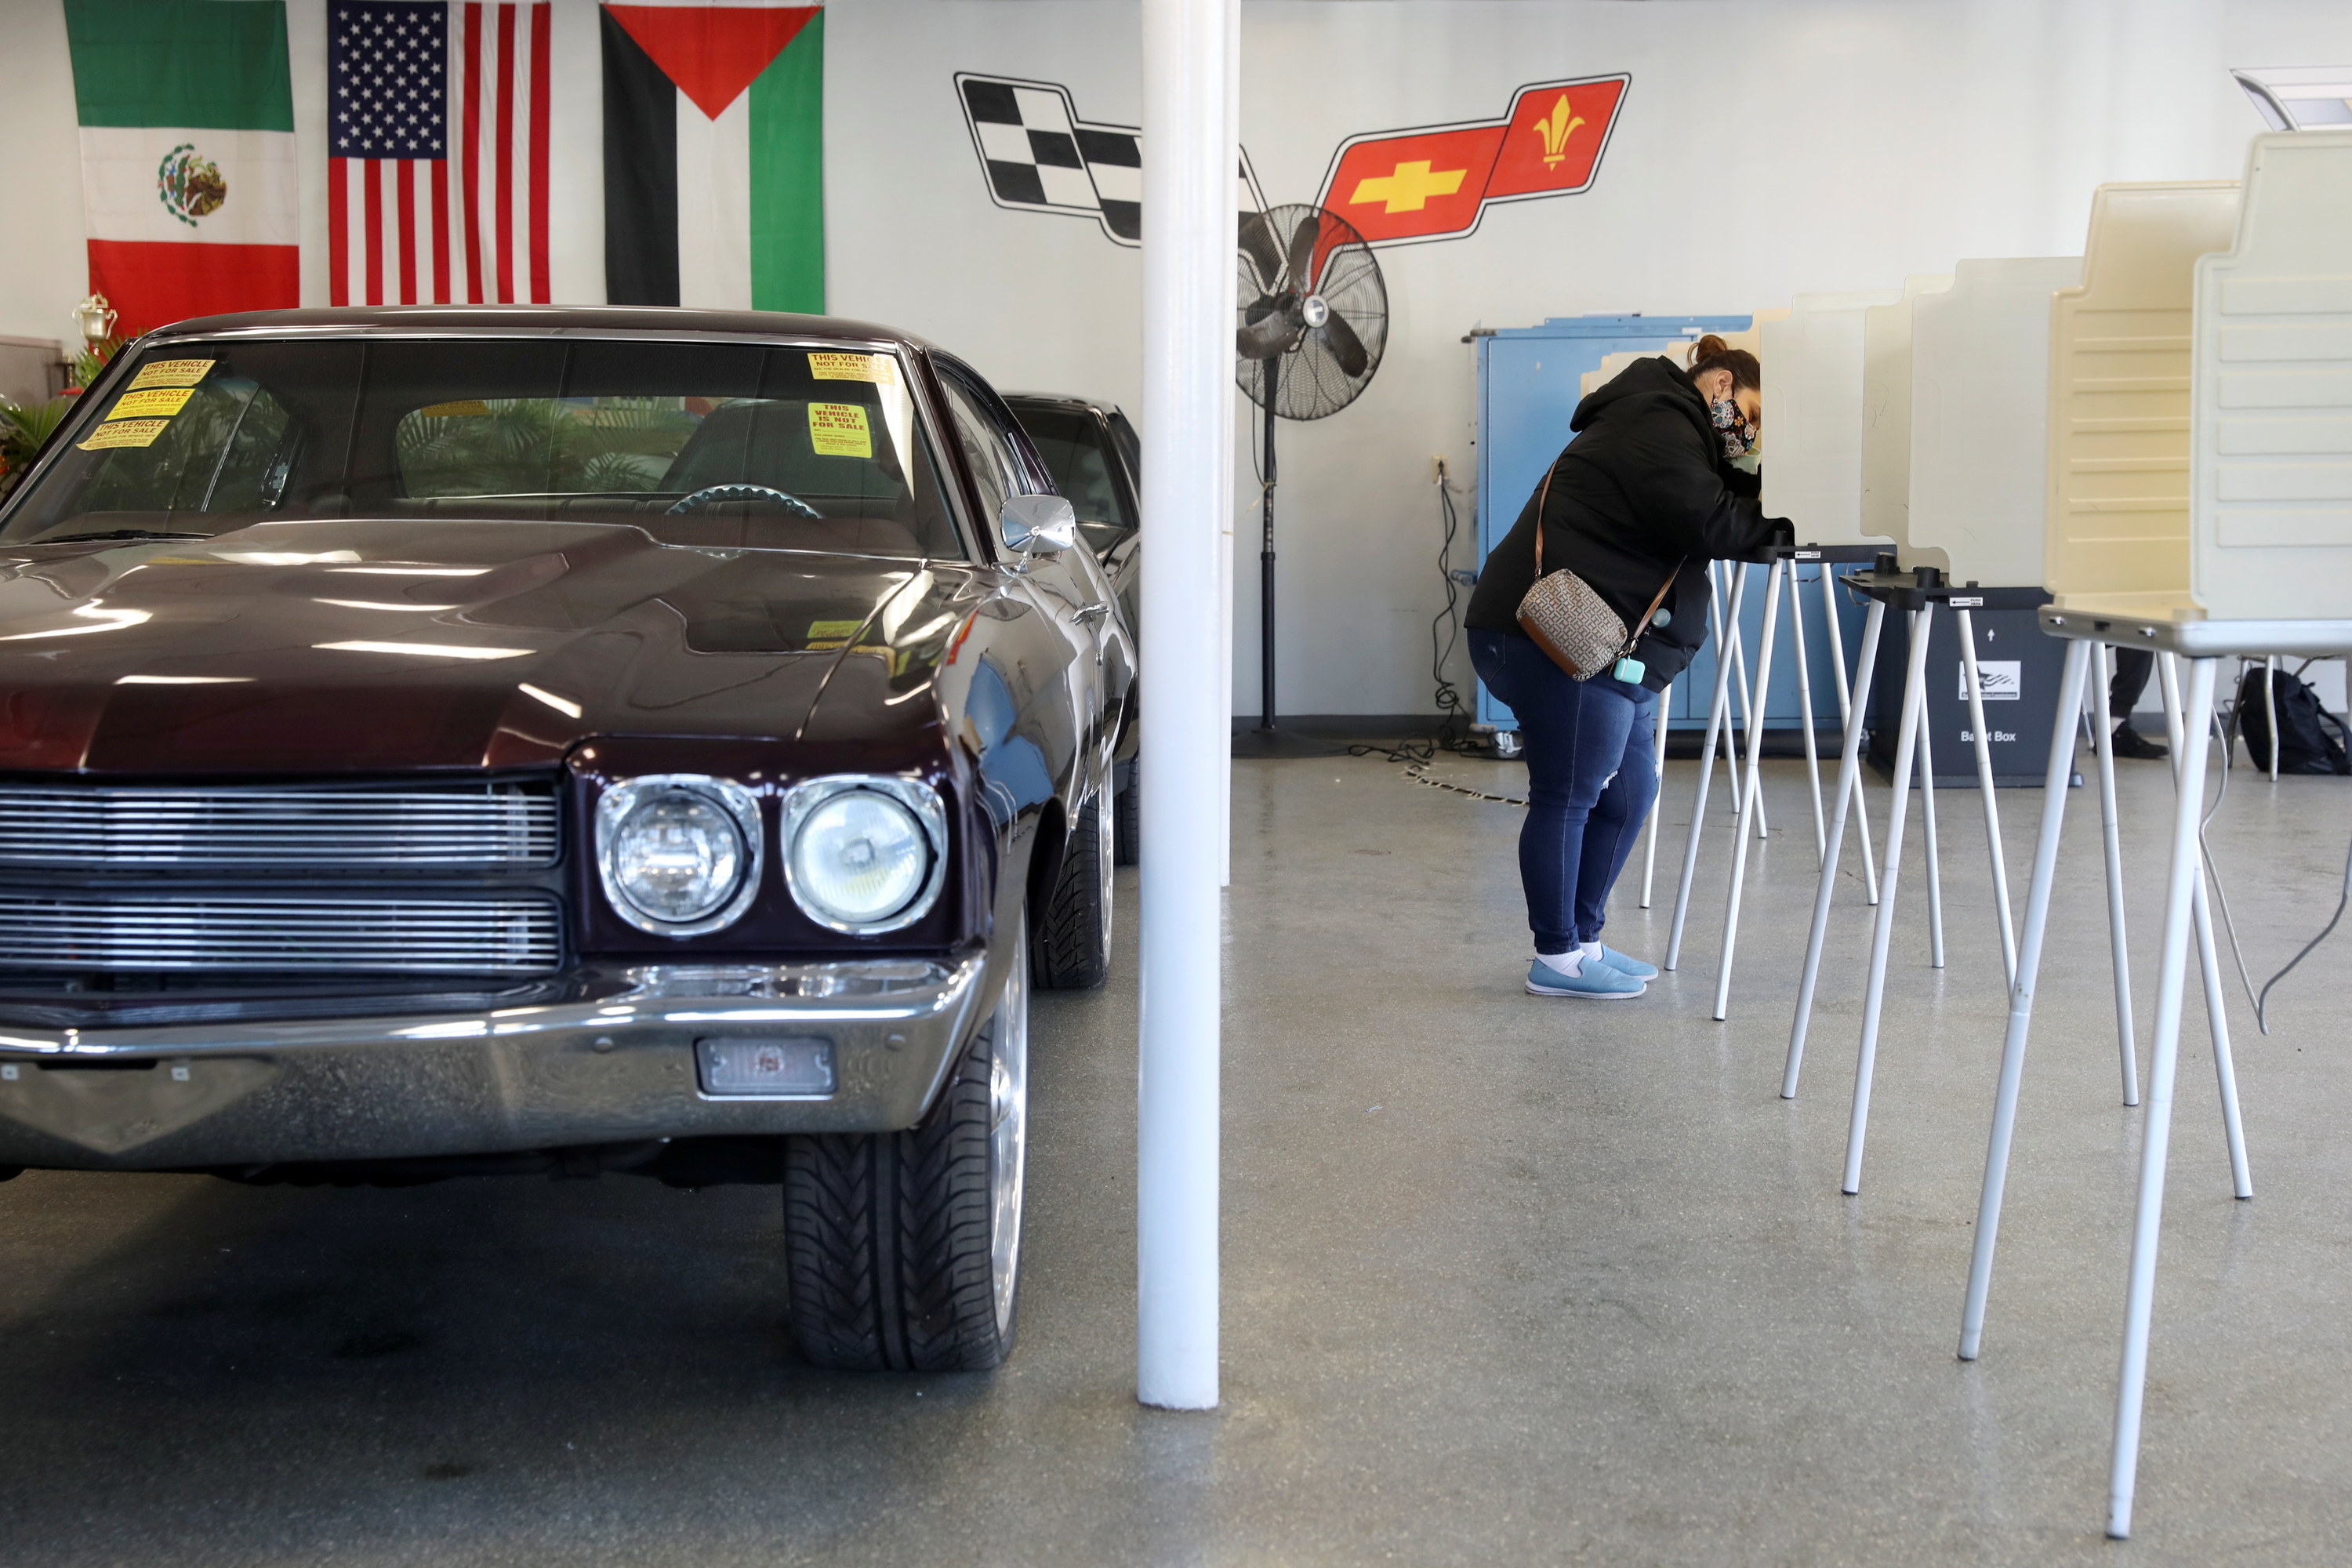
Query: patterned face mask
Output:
(1737,433)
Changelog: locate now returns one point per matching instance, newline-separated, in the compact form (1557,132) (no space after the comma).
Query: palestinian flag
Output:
(187,155)
(714,155)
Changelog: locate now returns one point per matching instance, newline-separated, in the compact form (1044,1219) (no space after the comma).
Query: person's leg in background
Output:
(1558,733)
(2132,667)
(1615,822)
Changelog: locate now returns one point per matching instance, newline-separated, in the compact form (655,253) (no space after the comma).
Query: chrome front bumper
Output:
(620,1069)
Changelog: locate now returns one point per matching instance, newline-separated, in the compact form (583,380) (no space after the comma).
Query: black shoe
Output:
(2129,742)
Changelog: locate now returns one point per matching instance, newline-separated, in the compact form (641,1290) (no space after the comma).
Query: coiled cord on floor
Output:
(2213,869)
(1417,773)
(2261,999)
(2261,1003)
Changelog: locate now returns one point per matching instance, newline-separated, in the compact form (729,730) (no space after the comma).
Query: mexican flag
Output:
(714,155)
(187,155)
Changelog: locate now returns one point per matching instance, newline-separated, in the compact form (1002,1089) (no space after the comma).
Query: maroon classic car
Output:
(453,742)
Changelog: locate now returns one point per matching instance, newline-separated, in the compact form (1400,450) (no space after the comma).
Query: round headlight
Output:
(859,857)
(674,855)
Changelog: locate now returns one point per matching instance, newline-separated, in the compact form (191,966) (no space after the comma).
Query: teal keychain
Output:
(1630,669)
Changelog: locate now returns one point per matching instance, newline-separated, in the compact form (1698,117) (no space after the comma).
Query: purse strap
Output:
(1664,588)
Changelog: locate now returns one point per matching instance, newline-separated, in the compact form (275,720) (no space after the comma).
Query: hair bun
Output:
(1709,345)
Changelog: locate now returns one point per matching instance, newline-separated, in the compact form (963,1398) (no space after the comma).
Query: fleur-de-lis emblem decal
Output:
(1556,129)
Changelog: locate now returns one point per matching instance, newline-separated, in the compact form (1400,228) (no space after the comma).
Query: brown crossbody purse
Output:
(1573,624)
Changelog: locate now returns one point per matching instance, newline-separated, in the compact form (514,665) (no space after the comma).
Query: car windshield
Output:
(1073,445)
(707,443)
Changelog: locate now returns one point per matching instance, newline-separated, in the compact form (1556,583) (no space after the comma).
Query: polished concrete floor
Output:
(1506,1279)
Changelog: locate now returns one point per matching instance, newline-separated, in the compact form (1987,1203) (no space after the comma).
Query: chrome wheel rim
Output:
(1008,1128)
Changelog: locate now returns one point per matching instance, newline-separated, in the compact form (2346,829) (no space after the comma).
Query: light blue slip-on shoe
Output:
(1599,983)
(1626,964)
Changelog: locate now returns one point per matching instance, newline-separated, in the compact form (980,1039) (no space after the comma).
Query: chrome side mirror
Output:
(1038,525)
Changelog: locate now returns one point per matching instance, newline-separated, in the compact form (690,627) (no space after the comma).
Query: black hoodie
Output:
(1643,491)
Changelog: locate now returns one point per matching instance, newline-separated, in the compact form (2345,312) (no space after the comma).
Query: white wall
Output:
(1765,148)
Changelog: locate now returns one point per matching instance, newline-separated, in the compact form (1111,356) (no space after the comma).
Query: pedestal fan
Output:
(1314,320)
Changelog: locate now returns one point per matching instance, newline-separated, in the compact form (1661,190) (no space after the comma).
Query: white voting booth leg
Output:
(2020,995)
(1737,635)
(1931,842)
(1849,793)
(1849,703)
(2269,709)
(2085,656)
(1805,707)
(1984,783)
(1658,772)
(2111,832)
(1753,801)
(2209,963)
(1753,787)
(2172,971)
(1883,931)
(1715,721)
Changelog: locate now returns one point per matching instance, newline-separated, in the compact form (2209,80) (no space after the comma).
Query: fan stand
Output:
(1268,741)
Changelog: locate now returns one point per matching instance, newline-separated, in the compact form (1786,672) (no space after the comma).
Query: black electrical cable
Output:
(1445,628)
(1444,637)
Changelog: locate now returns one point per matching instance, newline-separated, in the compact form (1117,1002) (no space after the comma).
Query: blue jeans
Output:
(1592,779)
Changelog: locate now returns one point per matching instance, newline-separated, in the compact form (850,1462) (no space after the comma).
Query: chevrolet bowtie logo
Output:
(1555,131)
(1408,187)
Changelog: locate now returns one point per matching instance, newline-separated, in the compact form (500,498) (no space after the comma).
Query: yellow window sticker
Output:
(171,372)
(825,635)
(880,369)
(125,432)
(156,402)
(463,407)
(839,430)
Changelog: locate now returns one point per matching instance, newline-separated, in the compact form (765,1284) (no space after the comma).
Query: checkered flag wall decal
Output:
(1038,156)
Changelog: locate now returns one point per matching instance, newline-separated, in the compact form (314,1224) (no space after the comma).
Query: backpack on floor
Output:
(2304,744)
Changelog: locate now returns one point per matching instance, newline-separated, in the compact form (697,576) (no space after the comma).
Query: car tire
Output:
(902,1251)
(1127,812)
(1071,946)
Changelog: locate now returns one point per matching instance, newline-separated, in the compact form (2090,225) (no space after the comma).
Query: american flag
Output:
(436,172)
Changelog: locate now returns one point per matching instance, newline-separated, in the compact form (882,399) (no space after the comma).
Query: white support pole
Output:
(1188,192)
(2156,1139)
(1849,704)
(2020,998)
(1930,841)
(2102,741)
(1882,934)
(1225,508)
(1658,769)
(1967,629)
(1849,794)
(2209,963)
(1715,719)
(1805,709)
(1749,801)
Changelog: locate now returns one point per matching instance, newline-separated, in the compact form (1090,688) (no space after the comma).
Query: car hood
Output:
(357,645)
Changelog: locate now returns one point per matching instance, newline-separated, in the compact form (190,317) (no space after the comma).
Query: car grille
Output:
(280,935)
(421,827)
